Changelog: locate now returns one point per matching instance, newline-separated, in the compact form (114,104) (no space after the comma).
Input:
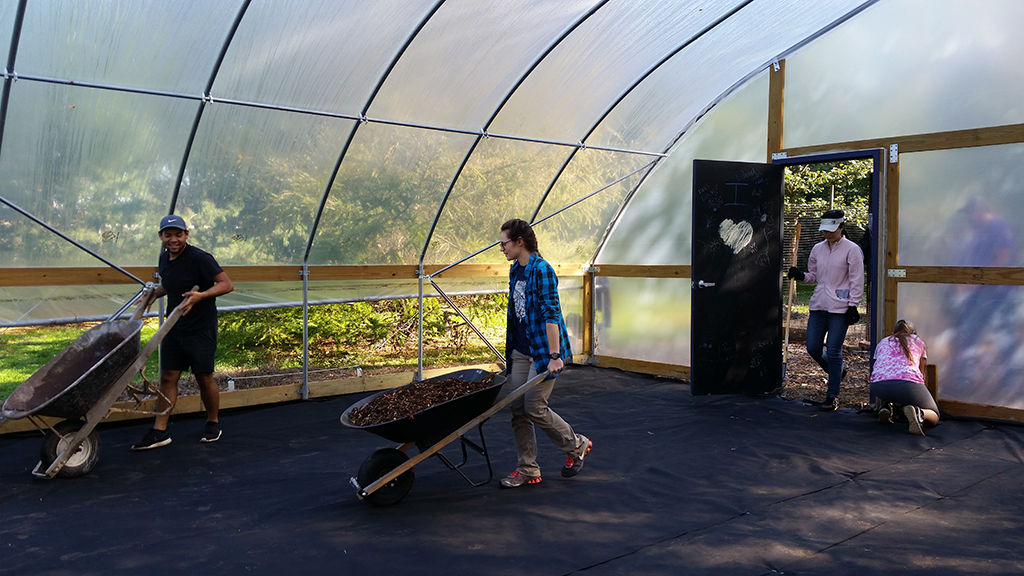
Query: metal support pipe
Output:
(28,215)
(304,389)
(12,55)
(243,308)
(206,99)
(468,322)
(419,360)
(601,189)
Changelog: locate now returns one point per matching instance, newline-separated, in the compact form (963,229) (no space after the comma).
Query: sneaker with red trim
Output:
(517,479)
(574,465)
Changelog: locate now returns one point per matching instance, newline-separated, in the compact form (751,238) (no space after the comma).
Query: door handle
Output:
(703,284)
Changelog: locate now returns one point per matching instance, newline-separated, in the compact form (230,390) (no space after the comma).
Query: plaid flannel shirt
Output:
(542,308)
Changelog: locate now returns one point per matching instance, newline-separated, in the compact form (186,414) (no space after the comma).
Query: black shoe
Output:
(153,439)
(831,404)
(885,414)
(211,433)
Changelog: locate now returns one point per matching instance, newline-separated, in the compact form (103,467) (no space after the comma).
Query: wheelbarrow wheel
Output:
(84,458)
(379,464)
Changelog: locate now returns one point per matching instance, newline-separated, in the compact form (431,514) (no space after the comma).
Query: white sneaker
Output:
(915,418)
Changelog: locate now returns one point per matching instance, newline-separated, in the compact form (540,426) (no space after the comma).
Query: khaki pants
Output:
(530,411)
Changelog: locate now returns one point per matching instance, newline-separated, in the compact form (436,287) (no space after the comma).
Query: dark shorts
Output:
(188,352)
(904,393)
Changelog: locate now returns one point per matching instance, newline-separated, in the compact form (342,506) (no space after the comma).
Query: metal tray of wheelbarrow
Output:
(386,476)
(435,422)
(70,384)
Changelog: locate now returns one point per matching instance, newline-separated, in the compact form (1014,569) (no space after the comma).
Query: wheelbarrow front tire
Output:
(79,463)
(379,464)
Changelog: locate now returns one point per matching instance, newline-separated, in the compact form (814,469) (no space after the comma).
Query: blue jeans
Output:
(828,330)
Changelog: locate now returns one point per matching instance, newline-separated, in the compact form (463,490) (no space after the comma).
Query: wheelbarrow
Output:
(386,476)
(81,385)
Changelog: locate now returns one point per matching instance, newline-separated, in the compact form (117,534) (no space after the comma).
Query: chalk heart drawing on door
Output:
(736,235)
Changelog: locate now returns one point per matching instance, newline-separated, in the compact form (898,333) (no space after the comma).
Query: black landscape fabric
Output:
(675,484)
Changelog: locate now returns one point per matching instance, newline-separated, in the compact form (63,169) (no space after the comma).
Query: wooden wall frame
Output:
(93,275)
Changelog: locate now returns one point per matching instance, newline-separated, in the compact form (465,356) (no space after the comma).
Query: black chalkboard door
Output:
(736,293)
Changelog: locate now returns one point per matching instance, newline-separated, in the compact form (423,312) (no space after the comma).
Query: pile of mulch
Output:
(413,398)
(805,380)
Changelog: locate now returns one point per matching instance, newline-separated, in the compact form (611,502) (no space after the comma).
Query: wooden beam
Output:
(958,409)
(644,367)
(963,275)
(931,380)
(776,108)
(93,276)
(266,395)
(644,271)
(892,237)
(991,136)
(588,314)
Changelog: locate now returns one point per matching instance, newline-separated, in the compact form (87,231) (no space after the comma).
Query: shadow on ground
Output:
(675,484)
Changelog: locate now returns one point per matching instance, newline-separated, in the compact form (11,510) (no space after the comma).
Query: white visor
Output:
(830,224)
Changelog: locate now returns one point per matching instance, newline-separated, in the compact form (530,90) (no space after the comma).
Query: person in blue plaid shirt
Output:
(536,340)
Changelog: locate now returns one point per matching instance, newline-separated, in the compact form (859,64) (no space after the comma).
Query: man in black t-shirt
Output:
(192,343)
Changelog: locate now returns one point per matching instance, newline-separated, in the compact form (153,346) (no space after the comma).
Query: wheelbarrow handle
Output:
(408,464)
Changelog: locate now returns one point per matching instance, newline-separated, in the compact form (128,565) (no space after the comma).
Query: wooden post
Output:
(892,237)
(931,380)
(776,107)
(588,314)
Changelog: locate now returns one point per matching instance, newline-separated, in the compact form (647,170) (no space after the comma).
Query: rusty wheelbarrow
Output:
(81,385)
(386,476)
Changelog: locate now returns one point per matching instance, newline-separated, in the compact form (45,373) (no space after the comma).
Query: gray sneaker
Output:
(574,465)
(915,418)
(517,479)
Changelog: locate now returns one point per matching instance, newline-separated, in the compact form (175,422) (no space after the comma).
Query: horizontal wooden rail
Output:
(962,275)
(643,271)
(644,367)
(958,409)
(92,276)
(1010,134)
(266,395)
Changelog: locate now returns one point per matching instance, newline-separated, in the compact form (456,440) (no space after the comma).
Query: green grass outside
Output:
(240,349)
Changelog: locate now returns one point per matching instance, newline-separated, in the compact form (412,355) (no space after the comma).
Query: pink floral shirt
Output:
(892,364)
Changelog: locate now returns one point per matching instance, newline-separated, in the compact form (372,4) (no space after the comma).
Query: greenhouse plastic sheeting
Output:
(37,303)
(347,130)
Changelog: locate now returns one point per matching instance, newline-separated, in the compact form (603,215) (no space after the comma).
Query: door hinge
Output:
(894,153)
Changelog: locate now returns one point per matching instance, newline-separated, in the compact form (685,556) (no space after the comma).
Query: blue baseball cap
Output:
(173,221)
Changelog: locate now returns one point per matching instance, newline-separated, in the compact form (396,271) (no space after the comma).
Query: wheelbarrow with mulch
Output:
(386,476)
(81,384)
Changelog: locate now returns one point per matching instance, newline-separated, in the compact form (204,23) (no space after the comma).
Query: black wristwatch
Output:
(555,355)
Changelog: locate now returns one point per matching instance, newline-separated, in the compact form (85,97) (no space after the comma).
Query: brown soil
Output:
(412,399)
(805,380)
